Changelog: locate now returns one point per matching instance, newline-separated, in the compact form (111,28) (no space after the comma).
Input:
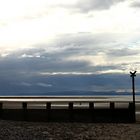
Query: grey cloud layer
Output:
(85,6)
(123,52)
(46,62)
(21,70)
(89,5)
(41,59)
(135,4)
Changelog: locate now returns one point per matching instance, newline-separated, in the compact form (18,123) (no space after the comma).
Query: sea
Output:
(69,93)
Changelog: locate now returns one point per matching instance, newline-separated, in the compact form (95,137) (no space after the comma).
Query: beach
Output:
(35,130)
(22,130)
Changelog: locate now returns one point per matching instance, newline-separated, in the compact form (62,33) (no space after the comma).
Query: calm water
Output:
(68,93)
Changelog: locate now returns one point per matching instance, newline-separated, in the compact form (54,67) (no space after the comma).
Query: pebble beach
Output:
(22,130)
(29,130)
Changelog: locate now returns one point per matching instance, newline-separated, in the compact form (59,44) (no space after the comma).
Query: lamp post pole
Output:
(133,75)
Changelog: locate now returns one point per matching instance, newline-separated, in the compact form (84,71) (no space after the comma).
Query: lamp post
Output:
(133,75)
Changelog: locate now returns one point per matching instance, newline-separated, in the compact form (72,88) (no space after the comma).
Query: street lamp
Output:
(133,75)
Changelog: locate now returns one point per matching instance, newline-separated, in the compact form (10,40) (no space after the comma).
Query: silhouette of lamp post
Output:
(133,75)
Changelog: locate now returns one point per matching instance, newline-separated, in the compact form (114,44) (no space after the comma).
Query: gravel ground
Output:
(16,130)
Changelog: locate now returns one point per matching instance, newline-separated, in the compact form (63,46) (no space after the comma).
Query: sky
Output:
(61,37)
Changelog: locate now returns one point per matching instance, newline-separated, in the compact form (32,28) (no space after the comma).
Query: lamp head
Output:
(133,73)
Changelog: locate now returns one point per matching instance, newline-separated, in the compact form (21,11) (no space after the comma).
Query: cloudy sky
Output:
(68,37)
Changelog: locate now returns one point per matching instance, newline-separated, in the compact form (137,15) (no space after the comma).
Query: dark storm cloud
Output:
(22,68)
(22,74)
(39,60)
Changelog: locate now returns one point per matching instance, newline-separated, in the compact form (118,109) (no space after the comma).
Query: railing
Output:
(70,101)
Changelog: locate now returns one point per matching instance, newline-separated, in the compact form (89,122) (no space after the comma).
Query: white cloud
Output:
(25,84)
(44,85)
(65,73)
(33,22)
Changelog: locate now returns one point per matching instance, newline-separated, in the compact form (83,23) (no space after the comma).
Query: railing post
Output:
(70,106)
(71,111)
(91,105)
(112,110)
(48,109)
(1,111)
(48,105)
(24,107)
(132,112)
(112,105)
